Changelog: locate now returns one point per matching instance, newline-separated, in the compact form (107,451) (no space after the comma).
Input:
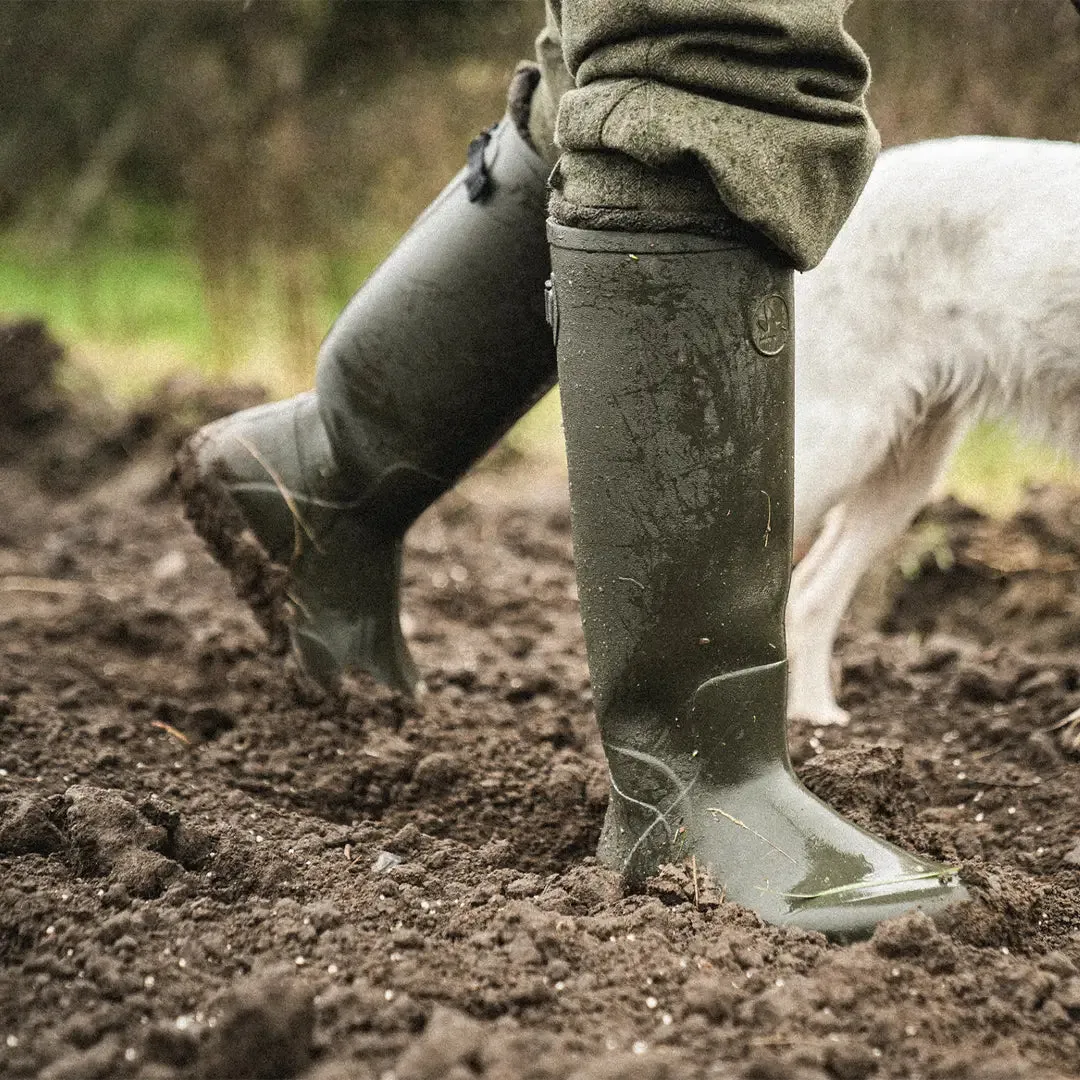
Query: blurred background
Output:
(202,185)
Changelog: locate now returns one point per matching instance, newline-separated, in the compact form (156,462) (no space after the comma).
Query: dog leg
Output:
(854,534)
(811,626)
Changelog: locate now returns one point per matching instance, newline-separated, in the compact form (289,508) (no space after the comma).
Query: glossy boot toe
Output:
(721,789)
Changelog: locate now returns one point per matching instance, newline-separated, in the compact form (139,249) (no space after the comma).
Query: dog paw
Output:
(1068,732)
(819,714)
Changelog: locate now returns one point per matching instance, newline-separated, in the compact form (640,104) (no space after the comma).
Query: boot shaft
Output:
(446,345)
(676,365)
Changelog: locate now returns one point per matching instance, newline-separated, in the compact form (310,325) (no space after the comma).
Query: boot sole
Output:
(260,582)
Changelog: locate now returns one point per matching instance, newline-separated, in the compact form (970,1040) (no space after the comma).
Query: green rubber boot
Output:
(306,501)
(675,364)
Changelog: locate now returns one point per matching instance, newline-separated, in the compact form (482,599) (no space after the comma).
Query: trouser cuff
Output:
(611,191)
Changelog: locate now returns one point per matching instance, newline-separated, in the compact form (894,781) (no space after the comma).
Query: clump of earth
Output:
(208,870)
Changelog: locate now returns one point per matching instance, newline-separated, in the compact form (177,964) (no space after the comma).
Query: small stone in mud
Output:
(385,862)
(265,1029)
(1072,856)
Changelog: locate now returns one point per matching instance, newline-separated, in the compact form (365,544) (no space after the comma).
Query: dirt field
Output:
(206,872)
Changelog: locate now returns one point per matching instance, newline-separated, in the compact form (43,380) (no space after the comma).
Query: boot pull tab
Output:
(478,183)
(551,307)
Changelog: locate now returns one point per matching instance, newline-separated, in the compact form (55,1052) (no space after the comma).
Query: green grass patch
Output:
(109,295)
(538,434)
(995,465)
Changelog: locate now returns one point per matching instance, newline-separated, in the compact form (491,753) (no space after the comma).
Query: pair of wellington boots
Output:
(675,365)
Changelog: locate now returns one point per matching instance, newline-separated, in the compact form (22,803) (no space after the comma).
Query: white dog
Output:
(952,293)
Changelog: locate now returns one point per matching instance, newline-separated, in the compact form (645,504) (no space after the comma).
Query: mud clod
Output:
(265,1029)
(31,358)
(111,838)
(450,1040)
(258,581)
(711,996)
(30,825)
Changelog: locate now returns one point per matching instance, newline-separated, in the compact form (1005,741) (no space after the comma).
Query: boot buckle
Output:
(551,307)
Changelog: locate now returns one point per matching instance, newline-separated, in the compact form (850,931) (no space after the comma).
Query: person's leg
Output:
(554,81)
(672,253)
(686,111)
(445,346)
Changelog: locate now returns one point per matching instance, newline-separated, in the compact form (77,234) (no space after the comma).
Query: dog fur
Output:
(951,294)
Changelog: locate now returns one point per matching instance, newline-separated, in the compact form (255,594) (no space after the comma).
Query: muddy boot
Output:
(445,346)
(675,364)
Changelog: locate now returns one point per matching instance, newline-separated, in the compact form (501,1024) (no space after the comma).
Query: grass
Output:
(135,312)
(995,466)
(842,892)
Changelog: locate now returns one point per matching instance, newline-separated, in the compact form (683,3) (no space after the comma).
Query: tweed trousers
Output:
(663,115)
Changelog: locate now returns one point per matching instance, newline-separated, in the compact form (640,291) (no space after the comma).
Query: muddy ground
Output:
(205,871)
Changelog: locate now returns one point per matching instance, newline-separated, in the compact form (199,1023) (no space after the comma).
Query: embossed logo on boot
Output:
(770,327)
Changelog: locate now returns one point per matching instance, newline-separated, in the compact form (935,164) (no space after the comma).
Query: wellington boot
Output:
(445,346)
(675,365)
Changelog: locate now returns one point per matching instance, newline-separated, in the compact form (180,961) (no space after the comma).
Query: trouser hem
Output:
(623,219)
